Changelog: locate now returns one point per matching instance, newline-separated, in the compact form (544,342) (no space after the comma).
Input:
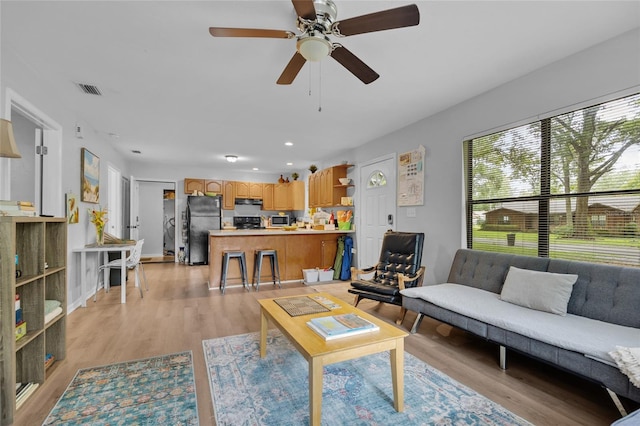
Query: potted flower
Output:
(295,176)
(313,168)
(99,218)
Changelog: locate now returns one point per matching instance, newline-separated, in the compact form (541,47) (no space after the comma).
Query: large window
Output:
(566,186)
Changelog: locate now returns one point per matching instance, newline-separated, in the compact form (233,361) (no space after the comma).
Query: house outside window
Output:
(570,184)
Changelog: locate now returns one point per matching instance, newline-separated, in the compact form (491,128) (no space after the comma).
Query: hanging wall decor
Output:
(72,208)
(90,177)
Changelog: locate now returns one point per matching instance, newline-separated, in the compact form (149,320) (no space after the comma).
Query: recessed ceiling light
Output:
(288,143)
(231,158)
(255,168)
(289,164)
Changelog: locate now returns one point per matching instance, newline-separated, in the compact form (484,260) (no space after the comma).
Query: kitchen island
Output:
(297,250)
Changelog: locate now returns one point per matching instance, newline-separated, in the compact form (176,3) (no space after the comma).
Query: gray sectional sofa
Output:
(602,311)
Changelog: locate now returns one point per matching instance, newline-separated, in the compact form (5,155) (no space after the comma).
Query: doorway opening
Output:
(37,176)
(153,218)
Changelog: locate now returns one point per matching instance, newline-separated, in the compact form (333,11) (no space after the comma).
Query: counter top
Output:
(253,232)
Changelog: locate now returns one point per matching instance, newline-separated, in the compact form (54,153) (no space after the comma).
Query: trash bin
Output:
(511,239)
(114,273)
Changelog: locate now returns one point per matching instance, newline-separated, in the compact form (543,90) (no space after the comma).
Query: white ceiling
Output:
(179,95)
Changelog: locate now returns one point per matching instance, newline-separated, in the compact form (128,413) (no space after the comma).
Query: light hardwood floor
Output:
(178,312)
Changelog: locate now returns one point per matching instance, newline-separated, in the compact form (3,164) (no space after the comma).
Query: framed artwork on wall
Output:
(90,177)
(72,208)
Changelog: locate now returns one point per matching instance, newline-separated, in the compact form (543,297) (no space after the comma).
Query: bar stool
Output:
(227,255)
(257,266)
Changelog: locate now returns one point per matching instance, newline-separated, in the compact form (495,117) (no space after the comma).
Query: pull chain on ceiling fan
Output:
(316,22)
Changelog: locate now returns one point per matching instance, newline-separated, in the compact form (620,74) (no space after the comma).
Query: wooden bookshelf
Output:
(41,246)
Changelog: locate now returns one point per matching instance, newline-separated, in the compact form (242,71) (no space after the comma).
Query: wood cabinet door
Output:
(267,196)
(313,191)
(255,190)
(191,185)
(241,189)
(228,195)
(297,195)
(281,197)
(213,186)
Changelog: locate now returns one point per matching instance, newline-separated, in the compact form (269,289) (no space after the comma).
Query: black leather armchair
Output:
(398,268)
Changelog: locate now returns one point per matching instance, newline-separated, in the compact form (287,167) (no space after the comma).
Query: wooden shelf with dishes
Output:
(328,187)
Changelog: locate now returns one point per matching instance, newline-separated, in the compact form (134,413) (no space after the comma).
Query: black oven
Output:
(247,222)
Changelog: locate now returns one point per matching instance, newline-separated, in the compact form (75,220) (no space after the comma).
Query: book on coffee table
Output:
(338,326)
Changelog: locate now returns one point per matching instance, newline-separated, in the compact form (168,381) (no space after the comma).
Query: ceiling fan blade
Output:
(292,69)
(353,64)
(249,32)
(305,8)
(405,16)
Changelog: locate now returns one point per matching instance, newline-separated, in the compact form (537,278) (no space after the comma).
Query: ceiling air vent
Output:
(89,89)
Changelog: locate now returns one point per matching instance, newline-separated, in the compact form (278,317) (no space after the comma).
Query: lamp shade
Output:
(314,48)
(8,147)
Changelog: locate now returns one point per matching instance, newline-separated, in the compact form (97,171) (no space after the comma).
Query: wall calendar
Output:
(411,177)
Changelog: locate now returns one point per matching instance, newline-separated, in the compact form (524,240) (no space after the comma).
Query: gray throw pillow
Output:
(543,291)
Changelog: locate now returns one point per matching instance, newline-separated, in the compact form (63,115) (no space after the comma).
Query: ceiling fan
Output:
(316,21)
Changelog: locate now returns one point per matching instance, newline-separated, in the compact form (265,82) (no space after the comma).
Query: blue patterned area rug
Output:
(248,390)
(153,391)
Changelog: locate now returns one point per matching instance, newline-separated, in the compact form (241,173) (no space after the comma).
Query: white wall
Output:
(605,71)
(30,85)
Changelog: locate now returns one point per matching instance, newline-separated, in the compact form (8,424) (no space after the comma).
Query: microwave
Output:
(280,220)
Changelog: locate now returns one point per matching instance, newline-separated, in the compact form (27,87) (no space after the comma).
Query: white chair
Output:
(132,262)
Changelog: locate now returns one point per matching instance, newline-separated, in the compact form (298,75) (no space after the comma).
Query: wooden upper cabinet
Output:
(325,189)
(297,195)
(267,196)
(228,195)
(281,196)
(256,190)
(213,186)
(191,185)
(242,189)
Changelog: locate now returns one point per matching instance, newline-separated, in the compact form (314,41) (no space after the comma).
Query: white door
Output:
(378,207)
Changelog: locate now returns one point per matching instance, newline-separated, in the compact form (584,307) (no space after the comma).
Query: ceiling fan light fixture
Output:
(314,47)
(231,158)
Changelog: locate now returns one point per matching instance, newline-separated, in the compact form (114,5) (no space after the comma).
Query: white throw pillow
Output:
(543,291)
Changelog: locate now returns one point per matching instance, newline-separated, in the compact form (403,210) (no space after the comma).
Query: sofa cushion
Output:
(603,292)
(543,291)
(488,270)
(592,338)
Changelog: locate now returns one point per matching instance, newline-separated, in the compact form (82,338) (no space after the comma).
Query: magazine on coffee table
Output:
(303,305)
(338,326)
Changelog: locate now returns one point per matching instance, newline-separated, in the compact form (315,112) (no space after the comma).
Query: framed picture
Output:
(72,208)
(90,177)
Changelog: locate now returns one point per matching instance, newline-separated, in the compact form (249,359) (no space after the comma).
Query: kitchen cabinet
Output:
(191,185)
(313,190)
(281,197)
(241,189)
(228,195)
(41,247)
(213,186)
(267,196)
(297,195)
(248,190)
(288,196)
(325,189)
(256,190)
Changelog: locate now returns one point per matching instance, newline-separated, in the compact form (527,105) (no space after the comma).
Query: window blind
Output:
(567,186)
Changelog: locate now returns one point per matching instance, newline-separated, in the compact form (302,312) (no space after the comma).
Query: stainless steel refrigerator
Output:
(203,214)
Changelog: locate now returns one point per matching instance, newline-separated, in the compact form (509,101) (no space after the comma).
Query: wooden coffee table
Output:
(319,352)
